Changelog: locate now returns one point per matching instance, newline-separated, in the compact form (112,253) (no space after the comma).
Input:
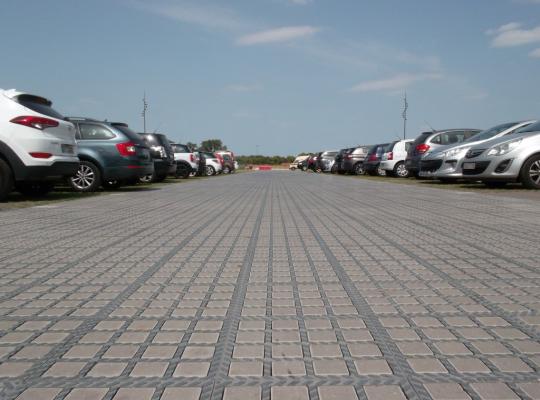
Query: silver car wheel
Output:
(381,172)
(84,178)
(402,171)
(146,179)
(534,172)
(210,170)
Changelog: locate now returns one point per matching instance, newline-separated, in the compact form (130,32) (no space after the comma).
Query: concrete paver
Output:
(272,286)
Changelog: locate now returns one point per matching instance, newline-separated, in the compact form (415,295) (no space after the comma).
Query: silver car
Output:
(445,164)
(512,158)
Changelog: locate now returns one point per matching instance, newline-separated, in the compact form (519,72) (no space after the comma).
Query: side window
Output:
(436,139)
(469,134)
(408,146)
(95,132)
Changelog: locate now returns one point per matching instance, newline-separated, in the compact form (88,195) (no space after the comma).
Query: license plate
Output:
(67,148)
(469,165)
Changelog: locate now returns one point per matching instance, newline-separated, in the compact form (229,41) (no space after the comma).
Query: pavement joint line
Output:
(492,307)
(74,263)
(39,369)
(389,210)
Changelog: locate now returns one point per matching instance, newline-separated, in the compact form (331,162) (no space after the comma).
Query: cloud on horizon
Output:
(513,34)
(395,83)
(283,34)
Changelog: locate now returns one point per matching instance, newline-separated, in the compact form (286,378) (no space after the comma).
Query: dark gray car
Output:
(430,141)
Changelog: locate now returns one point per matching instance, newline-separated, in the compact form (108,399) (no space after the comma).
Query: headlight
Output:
(455,152)
(504,148)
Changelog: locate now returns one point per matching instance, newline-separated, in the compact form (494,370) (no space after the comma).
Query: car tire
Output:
(182,171)
(210,171)
(494,184)
(34,189)
(160,178)
(400,171)
(87,178)
(359,169)
(226,170)
(530,173)
(6,180)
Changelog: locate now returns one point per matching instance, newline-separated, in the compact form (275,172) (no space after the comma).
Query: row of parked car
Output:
(39,147)
(509,152)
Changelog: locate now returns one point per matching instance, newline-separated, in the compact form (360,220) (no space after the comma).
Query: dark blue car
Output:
(111,154)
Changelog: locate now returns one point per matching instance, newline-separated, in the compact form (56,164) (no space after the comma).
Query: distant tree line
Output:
(272,160)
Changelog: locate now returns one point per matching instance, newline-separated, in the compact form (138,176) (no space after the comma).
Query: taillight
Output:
(35,122)
(372,157)
(390,156)
(422,148)
(192,157)
(40,155)
(220,159)
(348,156)
(126,149)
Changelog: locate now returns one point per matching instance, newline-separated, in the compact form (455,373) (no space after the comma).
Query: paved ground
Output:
(272,286)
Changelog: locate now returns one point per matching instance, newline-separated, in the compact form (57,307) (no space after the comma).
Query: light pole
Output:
(143,114)
(404,115)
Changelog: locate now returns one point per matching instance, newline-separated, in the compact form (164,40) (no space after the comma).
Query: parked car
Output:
(187,161)
(430,142)
(37,146)
(227,161)
(213,164)
(326,161)
(339,160)
(511,158)
(303,165)
(201,171)
(163,156)
(373,159)
(445,164)
(295,164)
(353,161)
(312,161)
(393,160)
(110,155)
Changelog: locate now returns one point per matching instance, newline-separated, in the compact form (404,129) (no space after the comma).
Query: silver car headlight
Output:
(455,152)
(504,148)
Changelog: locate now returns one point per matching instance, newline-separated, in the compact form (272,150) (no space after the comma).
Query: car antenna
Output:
(159,126)
(428,124)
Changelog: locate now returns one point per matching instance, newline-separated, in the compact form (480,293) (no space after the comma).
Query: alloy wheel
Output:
(84,178)
(534,172)
(402,171)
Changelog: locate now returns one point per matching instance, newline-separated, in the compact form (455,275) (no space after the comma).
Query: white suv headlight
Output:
(504,148)
(455,152)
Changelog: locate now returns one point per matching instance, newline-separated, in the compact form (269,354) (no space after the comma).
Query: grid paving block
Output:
(272,285)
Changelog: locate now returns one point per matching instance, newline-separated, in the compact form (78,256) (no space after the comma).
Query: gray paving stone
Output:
(295,284)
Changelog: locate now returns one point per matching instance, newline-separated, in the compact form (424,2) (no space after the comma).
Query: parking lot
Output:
(272,285)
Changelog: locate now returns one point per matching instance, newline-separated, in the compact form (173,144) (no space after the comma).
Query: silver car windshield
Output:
(530,128)
(489,133)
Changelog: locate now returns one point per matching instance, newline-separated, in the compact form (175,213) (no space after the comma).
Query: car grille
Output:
(479,168)
(430,165)
(474,153)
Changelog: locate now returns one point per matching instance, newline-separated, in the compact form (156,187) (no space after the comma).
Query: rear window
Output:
(422,138)
(39,105)
(129,133)
(531,128)
(94,132)
(180,148)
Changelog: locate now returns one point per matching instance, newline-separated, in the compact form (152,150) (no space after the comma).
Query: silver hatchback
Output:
(445,164)
(512,158)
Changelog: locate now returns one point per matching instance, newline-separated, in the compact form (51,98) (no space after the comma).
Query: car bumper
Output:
(56,171)
(387,165)
(490,169)
(128,172)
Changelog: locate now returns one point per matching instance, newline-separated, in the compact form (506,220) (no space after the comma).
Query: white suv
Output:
(37,146)
(393,161)
(187,162)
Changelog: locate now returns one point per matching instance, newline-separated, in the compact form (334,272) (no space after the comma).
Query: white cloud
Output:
(397,82)
(535,53)
(209,17)
(283,34)
(512,34)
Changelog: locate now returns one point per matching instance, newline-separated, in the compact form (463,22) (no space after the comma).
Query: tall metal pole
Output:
(145,107)
(404,115)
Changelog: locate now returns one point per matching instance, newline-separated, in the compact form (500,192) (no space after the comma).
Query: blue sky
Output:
(284,75)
